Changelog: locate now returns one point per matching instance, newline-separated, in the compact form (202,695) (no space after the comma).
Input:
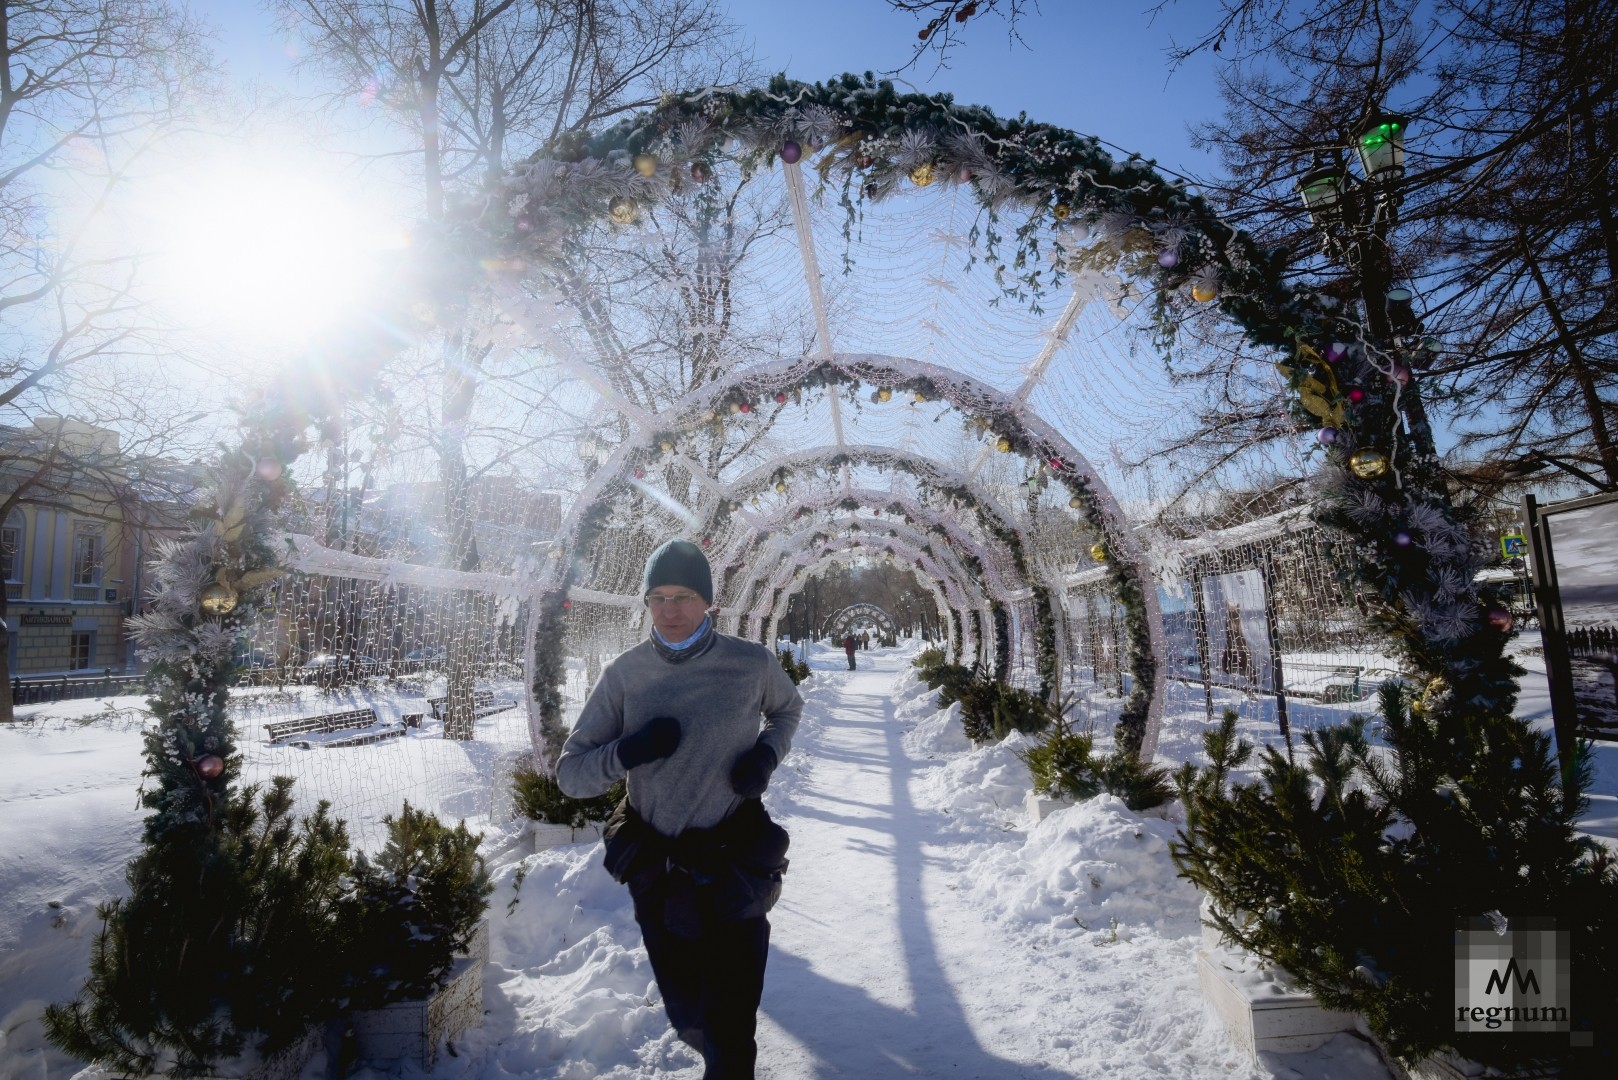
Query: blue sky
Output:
(1098,68)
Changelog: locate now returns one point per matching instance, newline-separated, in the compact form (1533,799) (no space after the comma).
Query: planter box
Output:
(1041,807)
(1264,1017)
(415,1029)
(542,835)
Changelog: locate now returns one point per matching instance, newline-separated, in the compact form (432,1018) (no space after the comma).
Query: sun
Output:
(275,254)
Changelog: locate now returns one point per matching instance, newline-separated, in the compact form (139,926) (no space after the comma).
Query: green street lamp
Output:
(1322,191)
(1382,146)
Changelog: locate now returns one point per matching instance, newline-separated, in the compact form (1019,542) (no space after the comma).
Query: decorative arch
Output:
(799,555)
(844,619)
(961,569)
(1015,429)
(787,581)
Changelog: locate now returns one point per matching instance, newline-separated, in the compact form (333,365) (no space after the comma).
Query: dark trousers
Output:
(851,659)
(711,984)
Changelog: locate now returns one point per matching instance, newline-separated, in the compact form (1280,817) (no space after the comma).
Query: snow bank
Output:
(1096,866)
(568,981)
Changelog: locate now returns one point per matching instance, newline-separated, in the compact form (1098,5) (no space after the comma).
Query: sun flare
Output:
(275,255)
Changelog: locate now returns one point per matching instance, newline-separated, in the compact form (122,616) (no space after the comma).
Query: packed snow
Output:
(929,927)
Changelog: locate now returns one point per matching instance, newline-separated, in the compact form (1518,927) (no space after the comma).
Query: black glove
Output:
(656,740)
(751,773)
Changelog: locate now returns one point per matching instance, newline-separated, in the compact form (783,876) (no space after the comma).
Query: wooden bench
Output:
(484,703)
(353,719)
(364,738)
(1330,693)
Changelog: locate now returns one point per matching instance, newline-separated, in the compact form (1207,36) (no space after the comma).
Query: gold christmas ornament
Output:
(1202,292)
(218,599)
(1098,552)
(922,175)
(665,446)
(919,397)
(646,164)
(1061,211)
(1368,464)
(781,486)
(623,209)
(1075,503)
(884,394)
(1003,445)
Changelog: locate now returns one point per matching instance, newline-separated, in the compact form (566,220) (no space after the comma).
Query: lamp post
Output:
(1353,215)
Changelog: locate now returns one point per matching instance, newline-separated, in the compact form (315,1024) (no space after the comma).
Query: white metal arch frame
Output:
(945,549)
(924,470)
(961,391)
(791,574)
(791,533)
(798,549)
(844,617)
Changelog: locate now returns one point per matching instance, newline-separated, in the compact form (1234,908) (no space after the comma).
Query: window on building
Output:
(11,553)
(86,556)
(82,651)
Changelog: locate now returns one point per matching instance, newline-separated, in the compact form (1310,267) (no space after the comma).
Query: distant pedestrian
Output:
(848,647)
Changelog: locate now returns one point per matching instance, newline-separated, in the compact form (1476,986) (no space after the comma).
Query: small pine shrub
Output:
(1063,765)
(1351,867)
(927,662)
(797,670)
(539,798)
(231,939)
(413,908)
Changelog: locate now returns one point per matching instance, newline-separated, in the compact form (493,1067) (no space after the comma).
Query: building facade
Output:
(70,568)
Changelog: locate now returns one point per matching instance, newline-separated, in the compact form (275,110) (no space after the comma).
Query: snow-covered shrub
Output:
(226,946)
(1350,868)
(412,908)
(797,670)
(1063,764)
(539,798)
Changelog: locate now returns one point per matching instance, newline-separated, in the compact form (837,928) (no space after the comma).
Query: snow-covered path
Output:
(871,930)
(925,929)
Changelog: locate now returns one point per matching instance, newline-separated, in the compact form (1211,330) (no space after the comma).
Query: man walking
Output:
(848,647)
(680,716)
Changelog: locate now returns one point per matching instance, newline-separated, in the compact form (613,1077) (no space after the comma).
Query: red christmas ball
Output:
(1500,619)
(707,541)
(780,397)
(747,406)
(566,604)
(700,172)
(640,473)
(210,766)
(1356,395)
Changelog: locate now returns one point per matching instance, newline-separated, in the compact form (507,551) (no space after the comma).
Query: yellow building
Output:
(69,562)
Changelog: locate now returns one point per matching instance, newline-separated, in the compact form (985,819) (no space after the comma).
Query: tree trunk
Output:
(7,712)
(1593,405)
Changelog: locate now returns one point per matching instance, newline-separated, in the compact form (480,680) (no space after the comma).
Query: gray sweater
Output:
(718,698)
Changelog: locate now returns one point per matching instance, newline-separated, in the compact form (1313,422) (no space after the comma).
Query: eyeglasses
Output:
(685,600)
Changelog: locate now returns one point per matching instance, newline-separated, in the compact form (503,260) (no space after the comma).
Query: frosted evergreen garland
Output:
(866,141)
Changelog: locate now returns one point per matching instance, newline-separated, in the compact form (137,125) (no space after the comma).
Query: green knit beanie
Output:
(679,562)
